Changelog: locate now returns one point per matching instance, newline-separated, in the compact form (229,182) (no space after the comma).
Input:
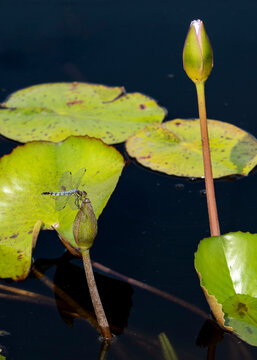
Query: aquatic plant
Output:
(225,264)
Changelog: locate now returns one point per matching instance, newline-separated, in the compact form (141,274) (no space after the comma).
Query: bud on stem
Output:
(198,63)
(85,226)
(197,53)
(84,232)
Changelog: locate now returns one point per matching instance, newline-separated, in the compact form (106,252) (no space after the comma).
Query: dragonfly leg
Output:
(77,201)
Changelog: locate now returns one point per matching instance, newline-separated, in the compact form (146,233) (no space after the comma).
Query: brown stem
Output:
(151,289)
(211,352)
(210,193)
(37,299)
(97,304)
(19,291)
(34,298)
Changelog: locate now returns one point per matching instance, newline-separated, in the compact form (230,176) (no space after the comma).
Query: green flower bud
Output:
(197,53)
(85,226)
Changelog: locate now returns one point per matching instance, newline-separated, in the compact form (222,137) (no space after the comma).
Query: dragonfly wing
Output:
(77,177)
(60,202)
(74,202)
(65,182)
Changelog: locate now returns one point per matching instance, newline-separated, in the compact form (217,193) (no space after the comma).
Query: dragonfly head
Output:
(82,193)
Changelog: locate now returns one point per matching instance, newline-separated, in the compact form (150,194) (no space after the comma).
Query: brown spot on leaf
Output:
(20,257)
(74,102)
(74,85)
(142,106)
(30,232)
(242,309)
(145,157)
(177,123)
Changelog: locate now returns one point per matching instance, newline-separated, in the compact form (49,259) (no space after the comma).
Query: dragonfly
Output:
(69,192)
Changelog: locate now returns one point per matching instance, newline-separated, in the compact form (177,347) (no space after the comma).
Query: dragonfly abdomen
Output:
(62,193)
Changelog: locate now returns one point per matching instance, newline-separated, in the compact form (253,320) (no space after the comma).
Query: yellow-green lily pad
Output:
(55,111)
(175,148)
(39,167)
(227,269)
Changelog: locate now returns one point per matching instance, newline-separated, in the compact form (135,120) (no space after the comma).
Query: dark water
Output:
(151,226)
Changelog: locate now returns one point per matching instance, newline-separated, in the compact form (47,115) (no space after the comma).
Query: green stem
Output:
(97,304)
(210,193)
(105,346)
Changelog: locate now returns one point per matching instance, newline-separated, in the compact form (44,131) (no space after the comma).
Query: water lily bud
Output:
(85,226)
(197,53)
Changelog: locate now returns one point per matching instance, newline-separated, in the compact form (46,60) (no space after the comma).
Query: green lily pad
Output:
(38,167)
(227,268)
(175,148)
(55,111)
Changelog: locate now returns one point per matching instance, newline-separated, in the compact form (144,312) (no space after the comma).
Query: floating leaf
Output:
(55,111)
(38,167)
(175,148)
(227,268)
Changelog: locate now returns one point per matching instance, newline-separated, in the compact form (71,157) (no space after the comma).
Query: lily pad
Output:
(38,167)
(175,148)
(227,269)
(55,111)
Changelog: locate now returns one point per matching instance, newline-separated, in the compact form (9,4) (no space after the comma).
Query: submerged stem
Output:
(210,193)
(105,346)
(97,304)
